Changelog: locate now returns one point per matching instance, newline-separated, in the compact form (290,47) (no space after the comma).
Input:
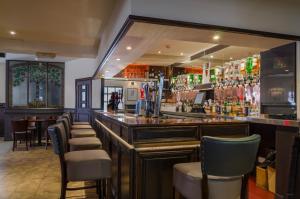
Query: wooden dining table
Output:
(38,123)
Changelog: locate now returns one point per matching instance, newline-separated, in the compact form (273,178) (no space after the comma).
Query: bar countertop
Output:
(262,119)
(134,120)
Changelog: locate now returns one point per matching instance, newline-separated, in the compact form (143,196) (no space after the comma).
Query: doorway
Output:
(83,99)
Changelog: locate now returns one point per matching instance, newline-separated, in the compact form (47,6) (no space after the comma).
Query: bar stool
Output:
(76,126)
(83,143)
(87,165)
(223,170)
(78,133)
(51,120)
(76,123)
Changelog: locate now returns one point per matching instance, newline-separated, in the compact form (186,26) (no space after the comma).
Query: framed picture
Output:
(132,94)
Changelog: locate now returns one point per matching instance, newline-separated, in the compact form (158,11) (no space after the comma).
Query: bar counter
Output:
(261,119)
(144,150)
(134,120)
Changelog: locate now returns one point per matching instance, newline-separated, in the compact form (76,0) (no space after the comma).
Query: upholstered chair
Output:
(86,165)
(222,172)
(80,143)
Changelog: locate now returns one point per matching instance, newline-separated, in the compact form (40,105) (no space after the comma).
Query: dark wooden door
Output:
(83,99)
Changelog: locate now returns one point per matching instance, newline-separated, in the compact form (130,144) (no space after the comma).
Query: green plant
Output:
(38,76)
(20,73)
(54,75)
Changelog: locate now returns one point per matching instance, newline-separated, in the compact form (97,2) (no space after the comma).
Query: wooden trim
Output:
(169,22)
(28,62)
(102,93)
(113,134)
(119,36)
(134,18)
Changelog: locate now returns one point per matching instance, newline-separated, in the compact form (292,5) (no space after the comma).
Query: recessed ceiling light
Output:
(36,59)
(107,71)
(211,56)
(12,32)
(159,52)
(181,54)
(128,48)
(231,58)
(216,37)
(118,59)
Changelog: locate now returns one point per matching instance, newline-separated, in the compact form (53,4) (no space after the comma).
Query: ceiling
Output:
(69,28)
(163,45)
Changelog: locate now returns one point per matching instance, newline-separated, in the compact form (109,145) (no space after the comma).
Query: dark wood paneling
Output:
(162,134)
(2,109)
(268,135)
(284,142)
(154,172)
(231,130)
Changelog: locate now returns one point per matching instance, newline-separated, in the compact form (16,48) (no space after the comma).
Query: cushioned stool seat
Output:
(81,123)
(79,133)
(85,126)
(87,165)
(85,143)
(187,180)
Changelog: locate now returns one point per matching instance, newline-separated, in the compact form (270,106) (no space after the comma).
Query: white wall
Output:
(77,69)
(2,81)
(272,16)
(118,17)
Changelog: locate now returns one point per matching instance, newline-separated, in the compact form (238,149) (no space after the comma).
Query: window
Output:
(35,84)
(108,90)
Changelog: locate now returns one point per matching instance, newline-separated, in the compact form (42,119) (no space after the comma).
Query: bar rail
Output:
(114,135)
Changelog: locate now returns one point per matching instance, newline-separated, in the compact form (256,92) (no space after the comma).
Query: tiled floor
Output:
(35,174)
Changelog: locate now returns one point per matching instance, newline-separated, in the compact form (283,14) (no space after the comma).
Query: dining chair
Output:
(86,165)
(32,125)
(223,170)
(20,132)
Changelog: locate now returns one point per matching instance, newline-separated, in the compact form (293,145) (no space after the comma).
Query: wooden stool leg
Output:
(108,194)
(47,140)
(14,142)
(26,139)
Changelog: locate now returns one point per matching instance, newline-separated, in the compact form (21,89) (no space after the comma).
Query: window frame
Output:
(106,93)
(27,63)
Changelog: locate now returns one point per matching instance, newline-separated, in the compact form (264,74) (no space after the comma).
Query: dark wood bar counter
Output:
(144,150)
(277,134)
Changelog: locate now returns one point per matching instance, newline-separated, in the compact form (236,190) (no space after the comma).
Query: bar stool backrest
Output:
(228,156)
(59,138)
(19,125)
(69,114)
(68,118)
(65,123)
